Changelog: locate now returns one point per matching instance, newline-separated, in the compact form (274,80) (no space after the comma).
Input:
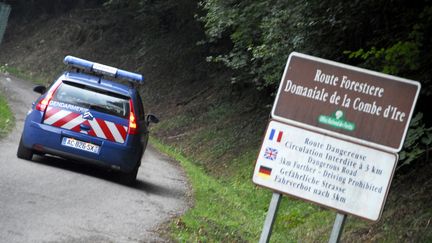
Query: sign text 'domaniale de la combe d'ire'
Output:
(344,101)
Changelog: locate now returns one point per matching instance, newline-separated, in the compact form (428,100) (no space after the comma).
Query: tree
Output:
(254,39)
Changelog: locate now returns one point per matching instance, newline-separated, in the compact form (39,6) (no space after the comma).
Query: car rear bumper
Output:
(48,139)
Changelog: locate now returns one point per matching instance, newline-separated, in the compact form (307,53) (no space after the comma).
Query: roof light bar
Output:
(102,69)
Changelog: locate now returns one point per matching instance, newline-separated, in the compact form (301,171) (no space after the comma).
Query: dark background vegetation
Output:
(252,39)
(213,66)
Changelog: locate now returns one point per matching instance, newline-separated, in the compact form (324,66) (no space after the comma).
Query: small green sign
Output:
(337,120)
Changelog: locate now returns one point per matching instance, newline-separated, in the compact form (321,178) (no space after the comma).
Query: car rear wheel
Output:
(129,178)
(23,152)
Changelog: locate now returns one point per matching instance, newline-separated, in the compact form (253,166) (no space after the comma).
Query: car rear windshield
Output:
(90,98)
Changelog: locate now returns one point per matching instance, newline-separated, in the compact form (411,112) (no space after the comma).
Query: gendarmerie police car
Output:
(85,117)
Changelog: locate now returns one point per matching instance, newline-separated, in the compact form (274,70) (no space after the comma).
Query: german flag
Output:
(264,172)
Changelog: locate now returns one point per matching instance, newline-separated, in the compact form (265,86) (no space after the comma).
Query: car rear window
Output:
(91,98)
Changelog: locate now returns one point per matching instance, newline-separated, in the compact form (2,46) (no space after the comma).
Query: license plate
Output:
(70,142)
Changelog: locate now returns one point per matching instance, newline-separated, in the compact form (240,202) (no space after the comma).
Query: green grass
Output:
(17,72)
(218,157)
(6,117)
(228,207)
(233,209)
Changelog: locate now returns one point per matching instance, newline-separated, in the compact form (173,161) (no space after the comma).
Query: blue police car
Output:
(86,117)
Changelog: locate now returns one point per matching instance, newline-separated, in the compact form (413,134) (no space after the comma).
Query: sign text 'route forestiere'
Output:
(345,101)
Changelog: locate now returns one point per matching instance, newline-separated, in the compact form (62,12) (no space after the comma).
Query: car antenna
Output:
(100,78)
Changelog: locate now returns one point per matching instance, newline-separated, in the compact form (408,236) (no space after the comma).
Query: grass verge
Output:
(6,117)
(233,209)
(17,72)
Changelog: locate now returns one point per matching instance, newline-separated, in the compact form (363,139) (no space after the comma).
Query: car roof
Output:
(98,82)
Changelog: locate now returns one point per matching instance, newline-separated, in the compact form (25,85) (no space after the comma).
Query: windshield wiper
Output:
(97,107)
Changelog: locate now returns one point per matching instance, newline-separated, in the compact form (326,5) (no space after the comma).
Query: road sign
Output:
(338,174)
(355,104)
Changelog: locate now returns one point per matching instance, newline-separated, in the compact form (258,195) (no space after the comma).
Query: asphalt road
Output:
(54,200)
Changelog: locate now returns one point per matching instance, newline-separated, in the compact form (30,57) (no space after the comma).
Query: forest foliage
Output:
(253,38)
(372,34)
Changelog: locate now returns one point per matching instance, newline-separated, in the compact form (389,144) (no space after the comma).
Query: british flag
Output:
(270,153)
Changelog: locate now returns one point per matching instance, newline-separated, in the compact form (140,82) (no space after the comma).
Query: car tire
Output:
(23,152)
(129,178)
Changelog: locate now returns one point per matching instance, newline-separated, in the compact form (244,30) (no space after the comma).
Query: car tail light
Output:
(132,120)
(43,103)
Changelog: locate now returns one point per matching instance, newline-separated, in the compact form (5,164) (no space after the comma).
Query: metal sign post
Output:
(337,228)
(4,15)
(270,218)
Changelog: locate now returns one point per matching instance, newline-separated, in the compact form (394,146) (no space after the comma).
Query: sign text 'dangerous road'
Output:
(335,173)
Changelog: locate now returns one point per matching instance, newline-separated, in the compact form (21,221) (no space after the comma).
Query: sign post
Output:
(337,228)
(270,218)
(333,138)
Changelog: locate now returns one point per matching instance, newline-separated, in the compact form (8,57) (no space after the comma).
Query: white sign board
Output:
(348,177)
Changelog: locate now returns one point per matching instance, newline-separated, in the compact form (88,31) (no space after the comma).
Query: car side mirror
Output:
(39,89)
(150,118)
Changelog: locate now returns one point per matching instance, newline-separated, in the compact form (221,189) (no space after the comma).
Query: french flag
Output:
(275,135)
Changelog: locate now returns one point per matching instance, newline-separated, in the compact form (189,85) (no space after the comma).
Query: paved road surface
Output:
(55,200)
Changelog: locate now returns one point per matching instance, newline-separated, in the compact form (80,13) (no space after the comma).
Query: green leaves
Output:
(417,142)
(256,37)
(401,57)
